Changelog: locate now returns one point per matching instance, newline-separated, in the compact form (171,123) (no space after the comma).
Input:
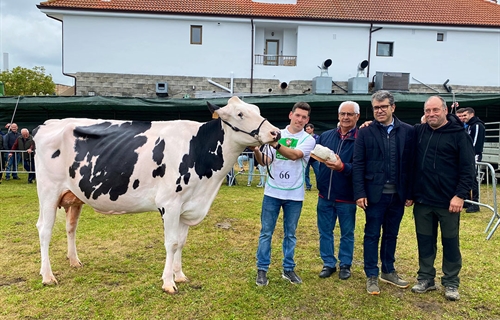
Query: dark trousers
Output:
(427,219)
(385,215)
(29,165)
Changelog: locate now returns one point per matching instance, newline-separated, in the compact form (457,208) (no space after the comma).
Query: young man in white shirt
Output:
(288,159)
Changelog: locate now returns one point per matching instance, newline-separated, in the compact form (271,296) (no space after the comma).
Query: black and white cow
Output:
(176,167)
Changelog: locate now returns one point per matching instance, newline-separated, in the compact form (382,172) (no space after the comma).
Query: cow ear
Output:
(212,107)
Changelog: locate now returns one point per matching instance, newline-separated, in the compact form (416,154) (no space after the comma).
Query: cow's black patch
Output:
(56,154)
(205,153)
(162,212)
(108,155)
(159,172)
(158,153)
(136,184)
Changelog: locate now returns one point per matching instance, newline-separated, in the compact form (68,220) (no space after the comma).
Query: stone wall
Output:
(144,86)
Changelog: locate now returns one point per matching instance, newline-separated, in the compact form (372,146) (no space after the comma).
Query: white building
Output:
(258,46)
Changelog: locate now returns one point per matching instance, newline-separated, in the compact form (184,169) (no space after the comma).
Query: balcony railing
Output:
(275,60)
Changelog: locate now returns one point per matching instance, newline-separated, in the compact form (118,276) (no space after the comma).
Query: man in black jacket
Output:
(476,130)
(444,174)
(383,154)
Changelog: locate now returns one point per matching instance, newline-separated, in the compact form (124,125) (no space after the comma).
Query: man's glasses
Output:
(383,108)
(349,114)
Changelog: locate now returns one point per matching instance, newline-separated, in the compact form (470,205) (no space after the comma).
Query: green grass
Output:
(124,257)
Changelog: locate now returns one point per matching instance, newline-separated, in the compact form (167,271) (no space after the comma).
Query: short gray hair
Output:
(355,104)
(443,102)
(381,95)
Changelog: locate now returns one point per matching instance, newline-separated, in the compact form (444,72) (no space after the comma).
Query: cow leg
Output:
(170,228)
(45,224)
(72,215)
(178,274)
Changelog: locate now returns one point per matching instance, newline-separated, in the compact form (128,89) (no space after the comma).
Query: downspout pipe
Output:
(251,55)
(370,47)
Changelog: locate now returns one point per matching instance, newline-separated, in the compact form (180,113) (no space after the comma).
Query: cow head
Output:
(245,118)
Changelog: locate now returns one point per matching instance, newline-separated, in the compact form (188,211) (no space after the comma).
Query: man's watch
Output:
(278,146)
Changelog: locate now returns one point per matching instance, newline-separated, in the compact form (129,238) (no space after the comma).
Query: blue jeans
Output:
(250,166)
(315,166)
(387,213)
(270,212)
(12,164)
(328,212)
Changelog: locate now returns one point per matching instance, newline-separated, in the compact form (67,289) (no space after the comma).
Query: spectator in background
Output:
(247,155)
(12,162)
(477,131)
(336,198)
(25,143)
(288,158)
(462,115)
(383,155)
(312,162)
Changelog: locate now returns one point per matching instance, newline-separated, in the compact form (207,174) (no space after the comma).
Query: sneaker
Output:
(424,285)
(249,184)
(291,276)
(262,278)
(372,285)
(394,279)
(241,171)
(308,189)
(473,208)
(7,178)
(259,185)
(451,293)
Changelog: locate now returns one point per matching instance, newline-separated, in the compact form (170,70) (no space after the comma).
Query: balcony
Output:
(275,60)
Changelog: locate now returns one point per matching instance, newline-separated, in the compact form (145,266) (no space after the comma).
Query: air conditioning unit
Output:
(396,81)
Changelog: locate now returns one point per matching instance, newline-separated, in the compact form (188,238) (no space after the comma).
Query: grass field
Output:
(124,257)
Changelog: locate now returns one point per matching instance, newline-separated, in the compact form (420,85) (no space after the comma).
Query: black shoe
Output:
(292,277)
(16,178)
(345,272)
(30,181)
(472,208)
(262,278)
(308,189)
(327,272)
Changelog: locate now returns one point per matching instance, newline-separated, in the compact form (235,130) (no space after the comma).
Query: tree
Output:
(26,82)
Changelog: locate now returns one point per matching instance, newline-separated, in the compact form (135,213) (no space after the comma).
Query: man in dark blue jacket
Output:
(444,175)
(336,199)
(382,162)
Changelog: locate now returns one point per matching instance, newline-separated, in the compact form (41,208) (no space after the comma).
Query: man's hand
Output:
(10,155)
(456,205)
(336,165)
(409,203)
(362,203)
(365,124)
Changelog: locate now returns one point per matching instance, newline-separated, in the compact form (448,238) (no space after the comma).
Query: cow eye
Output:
(240,115)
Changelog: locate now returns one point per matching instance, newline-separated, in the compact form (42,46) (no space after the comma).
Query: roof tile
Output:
(480,13)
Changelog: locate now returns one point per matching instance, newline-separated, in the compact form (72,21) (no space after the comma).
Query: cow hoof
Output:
(170,289)
(75,263)
(181,279)
(50,282)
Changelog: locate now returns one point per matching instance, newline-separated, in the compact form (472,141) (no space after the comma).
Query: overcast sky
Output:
(31,39)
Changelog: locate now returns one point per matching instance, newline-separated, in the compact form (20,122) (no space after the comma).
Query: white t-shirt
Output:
(288,182)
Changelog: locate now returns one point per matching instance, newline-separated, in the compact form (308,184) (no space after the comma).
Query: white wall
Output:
(465,57)
(159,45)
(155,46)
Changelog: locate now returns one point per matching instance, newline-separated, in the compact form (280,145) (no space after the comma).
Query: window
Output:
(196,34)
(440,36)
(385,49)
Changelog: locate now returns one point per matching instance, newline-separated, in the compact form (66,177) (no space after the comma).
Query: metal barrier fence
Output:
(486,171)
(20,160)
(251,170)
